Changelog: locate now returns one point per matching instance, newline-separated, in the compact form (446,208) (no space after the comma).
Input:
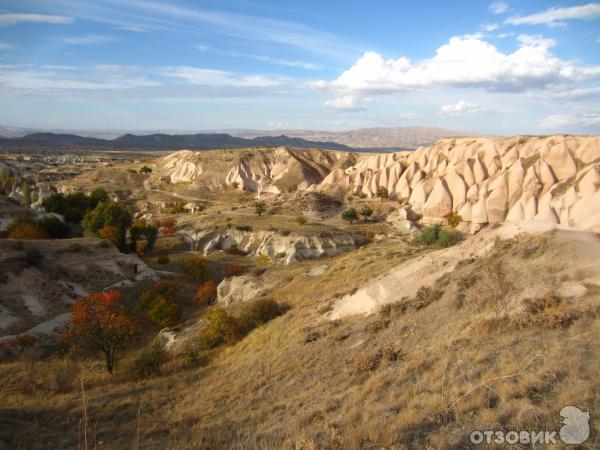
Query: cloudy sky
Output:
(504,67)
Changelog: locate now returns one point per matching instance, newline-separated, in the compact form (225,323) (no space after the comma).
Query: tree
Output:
(168,227)
(140,230)
(366,212)
(109,215)
(145,169)
(350,215)
(27,195)
(260,208)
(98,195)
(54,227)
(100,325)
(159,303)
(454,219)
(197,268)
(206,294)
(113,234)
(382,193)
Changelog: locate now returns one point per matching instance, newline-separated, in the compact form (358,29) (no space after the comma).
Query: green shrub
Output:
(438,236)
(350,215)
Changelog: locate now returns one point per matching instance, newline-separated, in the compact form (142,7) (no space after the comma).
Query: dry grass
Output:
(350,386)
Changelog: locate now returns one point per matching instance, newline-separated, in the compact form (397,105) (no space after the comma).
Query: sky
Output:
(499,67)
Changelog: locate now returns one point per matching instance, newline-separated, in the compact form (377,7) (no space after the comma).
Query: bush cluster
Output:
(159,303)
(437,236)
(224,328)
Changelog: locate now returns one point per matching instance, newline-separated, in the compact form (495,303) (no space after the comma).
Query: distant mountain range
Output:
(200,141)
(367,139)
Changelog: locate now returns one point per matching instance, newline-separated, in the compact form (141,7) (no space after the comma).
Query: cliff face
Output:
(489,180)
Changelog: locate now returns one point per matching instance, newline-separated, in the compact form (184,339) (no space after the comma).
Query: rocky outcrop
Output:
(489,180)
(277,246)
(241,289)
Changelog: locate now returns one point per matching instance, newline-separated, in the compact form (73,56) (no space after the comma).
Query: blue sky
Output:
(500,67)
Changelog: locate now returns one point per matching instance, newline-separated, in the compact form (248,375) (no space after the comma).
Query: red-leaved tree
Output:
(99,324)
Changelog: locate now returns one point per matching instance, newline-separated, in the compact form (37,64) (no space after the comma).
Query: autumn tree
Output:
(159,303)
(113,234)
(26,228)
(168,227)
(206,294)
(197,268)
(99,324)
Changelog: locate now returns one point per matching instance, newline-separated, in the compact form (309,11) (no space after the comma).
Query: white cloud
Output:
(553,16)
(499,7)
(210,77)
(491,26)
(12,18)
(459,108)
(345,103)
(5,46)
(464,63)
(88,39)
(564,120)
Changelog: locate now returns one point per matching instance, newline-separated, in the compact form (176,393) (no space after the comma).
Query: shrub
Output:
(243,227)
(168,227)
(24,228)
(62,374)
(221,328)
(371,360)
(145,169)
(163,259)
(262,260)
(178,207)
(159,303)
(233,269)
(258,312)
(206,294)
(350,215)
(438,236)
(301,220)
(197,268)
(151,359)
(192,356)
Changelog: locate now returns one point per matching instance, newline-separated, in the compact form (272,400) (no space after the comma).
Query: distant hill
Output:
(381,138)
(376,138)
(200,141)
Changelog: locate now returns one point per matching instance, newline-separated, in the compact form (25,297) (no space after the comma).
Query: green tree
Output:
(109,215)
(260,207)
(178,207)
(382,193)
(145,169)
(197,268)
(27,195)
(55,227)
(366,212)
(98,195)
(350,215)
(147,232)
